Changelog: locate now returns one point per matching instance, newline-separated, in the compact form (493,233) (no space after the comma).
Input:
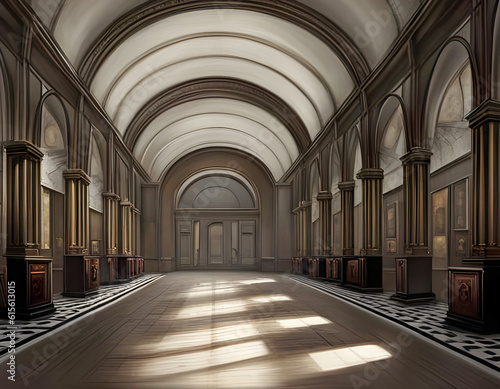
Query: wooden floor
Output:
(238,330)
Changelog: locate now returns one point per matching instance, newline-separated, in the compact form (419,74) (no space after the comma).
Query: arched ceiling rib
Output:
(246,100)
(141,59)
(234,114)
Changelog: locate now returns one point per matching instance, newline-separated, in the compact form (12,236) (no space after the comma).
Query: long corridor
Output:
(238,330)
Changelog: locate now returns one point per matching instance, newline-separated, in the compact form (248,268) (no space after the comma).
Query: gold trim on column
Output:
(485,123)
(325,206)
(347,195)
(415,182)
(23,197)
(372,209)
(77,211)
(111,201)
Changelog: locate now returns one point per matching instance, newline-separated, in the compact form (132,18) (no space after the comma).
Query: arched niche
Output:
(216,189)
(315,211)
(496,56)
(391,134)
(358,200)
(4,100)
(53,141)
(452,137)
(336,173)
(97,171)
(4,135)
(451,62)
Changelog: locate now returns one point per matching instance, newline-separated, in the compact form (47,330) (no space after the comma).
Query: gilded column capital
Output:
(324,196)
(76,174)
(112,196)
(488,110)
(23,147)
(370,173)
(417,155)
(347,185)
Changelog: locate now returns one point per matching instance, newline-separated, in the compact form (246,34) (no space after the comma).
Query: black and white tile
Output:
(428,319)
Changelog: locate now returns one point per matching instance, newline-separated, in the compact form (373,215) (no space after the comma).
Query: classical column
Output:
(325,209)
(111,202)
(414,271)
(485,124)
(347,195)
(31,273)
(416,182)
(77,211)
(473,289)
(127,215)
(81,272)
(372,210)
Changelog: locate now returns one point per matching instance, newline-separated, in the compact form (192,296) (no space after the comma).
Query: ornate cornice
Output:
(289,10)
(219,88)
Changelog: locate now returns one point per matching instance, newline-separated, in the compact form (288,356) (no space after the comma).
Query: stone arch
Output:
(391,140)
(314,184)
(450,62)
(51,135)
(98,169)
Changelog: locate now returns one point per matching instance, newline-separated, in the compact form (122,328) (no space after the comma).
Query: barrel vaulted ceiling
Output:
(260,76)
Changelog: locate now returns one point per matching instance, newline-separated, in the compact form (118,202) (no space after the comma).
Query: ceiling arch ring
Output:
(296,13)
(263,147)
(207,115)
(269,44)
(317,111)
(218,88)
(231,165)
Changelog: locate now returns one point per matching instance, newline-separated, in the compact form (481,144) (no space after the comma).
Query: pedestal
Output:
(333,269)
(362,273)
(81,276)
(33,286)
(414,279)
(474,295)
(317,267)
(122,268)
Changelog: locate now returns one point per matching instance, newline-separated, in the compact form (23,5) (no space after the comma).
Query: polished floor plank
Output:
(239,330)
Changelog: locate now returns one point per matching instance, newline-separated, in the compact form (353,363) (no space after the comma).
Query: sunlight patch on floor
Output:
(303,322)
(349,356)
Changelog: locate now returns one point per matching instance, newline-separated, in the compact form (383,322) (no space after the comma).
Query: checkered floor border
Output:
(67,309)
(427,319)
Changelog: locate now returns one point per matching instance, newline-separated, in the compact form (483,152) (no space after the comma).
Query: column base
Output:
(414,279)
(30,280)
(81,275)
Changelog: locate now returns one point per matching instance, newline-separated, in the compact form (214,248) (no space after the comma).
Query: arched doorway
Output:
(217,219)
